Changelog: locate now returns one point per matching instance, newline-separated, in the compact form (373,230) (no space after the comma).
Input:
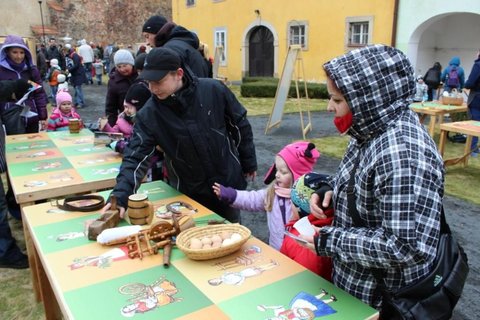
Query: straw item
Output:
(452,101)
(455,98)
(183,241)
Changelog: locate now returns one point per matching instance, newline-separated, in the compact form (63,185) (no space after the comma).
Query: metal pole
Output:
(43,26)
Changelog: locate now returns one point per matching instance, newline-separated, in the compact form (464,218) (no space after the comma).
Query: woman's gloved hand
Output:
(21,87)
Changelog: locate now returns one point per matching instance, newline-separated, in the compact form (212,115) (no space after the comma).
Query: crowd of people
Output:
(191,131)
(453,79)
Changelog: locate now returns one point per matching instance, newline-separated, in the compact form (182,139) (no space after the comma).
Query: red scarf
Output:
(343,123)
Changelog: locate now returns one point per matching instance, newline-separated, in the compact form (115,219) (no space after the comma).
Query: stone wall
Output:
(105,21)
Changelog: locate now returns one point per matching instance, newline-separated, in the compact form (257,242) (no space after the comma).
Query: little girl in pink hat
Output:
(291,162)
(59,119)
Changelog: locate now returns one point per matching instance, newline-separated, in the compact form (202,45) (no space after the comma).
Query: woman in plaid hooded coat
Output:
(399,182)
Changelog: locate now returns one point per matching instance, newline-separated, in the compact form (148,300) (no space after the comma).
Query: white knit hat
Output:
(61,78)
(123,56)
(54,62)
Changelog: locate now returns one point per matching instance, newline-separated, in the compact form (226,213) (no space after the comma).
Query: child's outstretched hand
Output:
(251,175)
(217,189)
(225,194)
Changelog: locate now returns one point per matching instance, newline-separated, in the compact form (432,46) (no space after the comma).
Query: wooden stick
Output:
(167,251)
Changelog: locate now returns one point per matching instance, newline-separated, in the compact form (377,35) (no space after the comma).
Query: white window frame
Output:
(220,39)
(298,37)
(190,3)
(365,35)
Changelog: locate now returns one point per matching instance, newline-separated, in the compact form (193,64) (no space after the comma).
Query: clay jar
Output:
(140,210)
(74,125)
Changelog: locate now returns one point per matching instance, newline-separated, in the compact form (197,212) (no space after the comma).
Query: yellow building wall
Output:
(326,27)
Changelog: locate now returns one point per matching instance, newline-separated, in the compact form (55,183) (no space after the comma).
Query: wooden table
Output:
(47,165)
(81,279)
(53,164)
(470,128)
(436,110)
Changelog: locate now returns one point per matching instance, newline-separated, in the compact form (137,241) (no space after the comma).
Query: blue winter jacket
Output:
(454,62)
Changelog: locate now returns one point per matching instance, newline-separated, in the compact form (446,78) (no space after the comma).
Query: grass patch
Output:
(263,106)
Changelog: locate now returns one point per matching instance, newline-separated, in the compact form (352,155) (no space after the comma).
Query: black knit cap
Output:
(154,24)
(140,61)
(137,95)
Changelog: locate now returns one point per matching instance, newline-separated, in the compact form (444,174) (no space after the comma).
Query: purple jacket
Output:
(38,99)
(254,201)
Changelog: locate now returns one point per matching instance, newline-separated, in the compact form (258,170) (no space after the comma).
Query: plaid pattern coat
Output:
(399,182)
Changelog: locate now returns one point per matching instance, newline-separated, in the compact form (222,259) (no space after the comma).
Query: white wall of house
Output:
(436,30)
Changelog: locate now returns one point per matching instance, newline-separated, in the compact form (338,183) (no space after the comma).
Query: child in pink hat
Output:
(291,162)
(59,119)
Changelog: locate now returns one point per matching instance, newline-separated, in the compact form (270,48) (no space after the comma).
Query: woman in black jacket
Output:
(120,79)
(432,80)
(10,254)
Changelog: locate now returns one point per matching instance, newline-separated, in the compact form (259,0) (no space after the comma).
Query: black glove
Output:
(21,87)
(321,193)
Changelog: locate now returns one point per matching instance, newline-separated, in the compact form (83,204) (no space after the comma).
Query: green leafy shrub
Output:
(260,79)
(258,89)
(262,87)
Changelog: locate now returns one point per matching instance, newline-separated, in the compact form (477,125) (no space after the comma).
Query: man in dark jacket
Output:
(473,102)
(54,53)
(202,129)
(42,61)
(78,76)
(160,33)
(10,254)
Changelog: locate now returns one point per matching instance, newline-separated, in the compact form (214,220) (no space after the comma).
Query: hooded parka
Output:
(399,182)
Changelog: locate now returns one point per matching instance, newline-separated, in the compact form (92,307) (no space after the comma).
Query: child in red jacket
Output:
(301,192)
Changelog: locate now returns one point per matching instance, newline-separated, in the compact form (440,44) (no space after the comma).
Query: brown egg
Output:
(225,235)
(206,240)
(195,243)
(207,246)
(217,238)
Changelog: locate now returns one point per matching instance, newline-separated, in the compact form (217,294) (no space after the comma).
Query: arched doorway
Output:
(426,45)
(260,52)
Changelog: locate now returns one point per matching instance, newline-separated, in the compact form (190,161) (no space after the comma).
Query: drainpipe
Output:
(394,26)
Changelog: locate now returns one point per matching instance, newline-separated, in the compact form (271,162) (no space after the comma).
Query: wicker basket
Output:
(453,101)
(183,241)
